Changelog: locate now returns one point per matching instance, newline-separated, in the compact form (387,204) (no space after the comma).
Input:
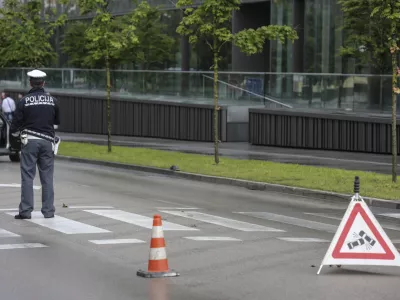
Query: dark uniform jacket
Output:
(37,112)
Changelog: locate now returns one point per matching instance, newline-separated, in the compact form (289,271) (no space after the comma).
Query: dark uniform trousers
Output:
(37,152)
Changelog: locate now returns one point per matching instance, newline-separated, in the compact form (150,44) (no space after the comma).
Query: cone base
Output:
(147,274)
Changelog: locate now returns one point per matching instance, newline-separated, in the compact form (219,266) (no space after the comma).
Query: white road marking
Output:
(292,221)
(392,215)
(230,223)
(9,209)
(165,201)
(211,238)
(4,234)
(322,215)
(305,240)
(16,185)
(137,220)
(180,208)
(116,241)
(90,207)
(63,225)
(21,246)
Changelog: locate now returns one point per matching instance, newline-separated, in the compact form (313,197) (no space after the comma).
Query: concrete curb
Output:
(252,185)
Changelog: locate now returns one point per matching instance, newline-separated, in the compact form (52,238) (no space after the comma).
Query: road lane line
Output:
(21,246)
(63,225)
(322,215)
(303,240)
(5,234)
(90,207)
(230,223)
(116,241)
(137,220)
(16,185)
(392,215)
(9,209)
(211,238)
(180,208)
(291,221)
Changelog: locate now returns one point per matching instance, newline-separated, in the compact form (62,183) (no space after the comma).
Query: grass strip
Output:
(318,178)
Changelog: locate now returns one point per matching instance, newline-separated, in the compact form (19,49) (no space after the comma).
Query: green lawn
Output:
(334,180)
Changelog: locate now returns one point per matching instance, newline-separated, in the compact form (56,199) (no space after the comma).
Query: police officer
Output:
(36,116)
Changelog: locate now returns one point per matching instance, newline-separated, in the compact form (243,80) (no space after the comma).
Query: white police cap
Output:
(36,74)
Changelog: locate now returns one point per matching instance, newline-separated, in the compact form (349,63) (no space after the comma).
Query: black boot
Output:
(19,217)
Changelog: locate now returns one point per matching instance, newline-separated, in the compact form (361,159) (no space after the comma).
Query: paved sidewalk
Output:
(332,159)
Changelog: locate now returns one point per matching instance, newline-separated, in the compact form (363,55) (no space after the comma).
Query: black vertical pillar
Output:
(252,15)
(185,63)
(298,25)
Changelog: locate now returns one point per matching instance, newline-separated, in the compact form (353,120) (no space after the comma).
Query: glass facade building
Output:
(307,73)
(318,23)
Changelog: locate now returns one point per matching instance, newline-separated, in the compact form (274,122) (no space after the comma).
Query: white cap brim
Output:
(36,74)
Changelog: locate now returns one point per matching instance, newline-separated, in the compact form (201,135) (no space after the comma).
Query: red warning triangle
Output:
(337,254)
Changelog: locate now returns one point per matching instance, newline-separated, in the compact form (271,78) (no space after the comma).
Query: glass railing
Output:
(339,92)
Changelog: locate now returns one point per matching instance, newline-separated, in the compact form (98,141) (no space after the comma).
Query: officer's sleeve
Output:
(57,113)
(18,119)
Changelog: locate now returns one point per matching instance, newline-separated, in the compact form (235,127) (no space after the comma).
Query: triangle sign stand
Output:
(360,239)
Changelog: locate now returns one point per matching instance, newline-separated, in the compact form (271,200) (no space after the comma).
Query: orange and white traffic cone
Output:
(158,261)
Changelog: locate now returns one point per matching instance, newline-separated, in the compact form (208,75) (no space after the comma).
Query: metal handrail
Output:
(254,94)
(210,72)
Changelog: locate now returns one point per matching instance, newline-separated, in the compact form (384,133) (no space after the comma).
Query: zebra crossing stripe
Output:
(16,185)
(292,221)
(89,207)
(230,223)
(179,208)
(391,215)
(137,220)
(21,246)
(5,234)
(322,215)
(116,241)
(63,225)
(211,238)
(305,240)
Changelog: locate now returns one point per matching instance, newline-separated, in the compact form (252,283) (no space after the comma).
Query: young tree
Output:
(390,10)
(25,36)
(154,47)
(372,28)
(104,43)
(210,20)
(74,44)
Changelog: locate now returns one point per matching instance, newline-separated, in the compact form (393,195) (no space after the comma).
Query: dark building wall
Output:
(251,15)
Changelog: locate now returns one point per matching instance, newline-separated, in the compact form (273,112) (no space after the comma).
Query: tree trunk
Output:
(394,125)
(216,139)
(108,103)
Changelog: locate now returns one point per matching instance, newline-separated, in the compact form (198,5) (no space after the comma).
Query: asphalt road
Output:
(378,163)
(255,263)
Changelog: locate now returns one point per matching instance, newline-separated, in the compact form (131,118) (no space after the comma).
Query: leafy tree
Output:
(390,10)
(211,21)
(154,47)
(152,51)
(74,43)
(373,26)
(104,44)
(25,36)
